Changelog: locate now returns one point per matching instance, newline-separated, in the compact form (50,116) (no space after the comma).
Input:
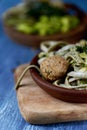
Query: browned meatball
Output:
(54,67)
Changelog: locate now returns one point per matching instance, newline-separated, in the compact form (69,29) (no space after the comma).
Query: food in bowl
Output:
(53,67)
(34,39)
(61,64)
(42,18)
(76,56)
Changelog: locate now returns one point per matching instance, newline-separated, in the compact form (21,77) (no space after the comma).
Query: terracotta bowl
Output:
(34,40)
(68,95)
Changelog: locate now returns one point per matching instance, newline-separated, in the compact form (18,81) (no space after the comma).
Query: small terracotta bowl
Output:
(72,36)
(68,95)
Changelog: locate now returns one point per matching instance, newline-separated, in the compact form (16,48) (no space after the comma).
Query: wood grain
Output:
(37,107)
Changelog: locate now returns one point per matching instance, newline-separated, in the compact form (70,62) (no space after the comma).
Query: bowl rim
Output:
(38,79)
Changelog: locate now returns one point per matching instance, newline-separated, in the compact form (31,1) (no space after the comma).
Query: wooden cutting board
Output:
(37,107)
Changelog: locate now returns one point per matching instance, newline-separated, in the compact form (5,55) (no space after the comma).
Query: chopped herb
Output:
(81,49)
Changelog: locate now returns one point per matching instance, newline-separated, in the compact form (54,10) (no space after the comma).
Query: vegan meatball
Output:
(53,67)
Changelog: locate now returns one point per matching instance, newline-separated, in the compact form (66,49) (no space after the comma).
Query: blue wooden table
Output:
(11,56)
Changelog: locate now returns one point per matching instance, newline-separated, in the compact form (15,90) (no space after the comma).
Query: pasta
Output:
(76,55)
